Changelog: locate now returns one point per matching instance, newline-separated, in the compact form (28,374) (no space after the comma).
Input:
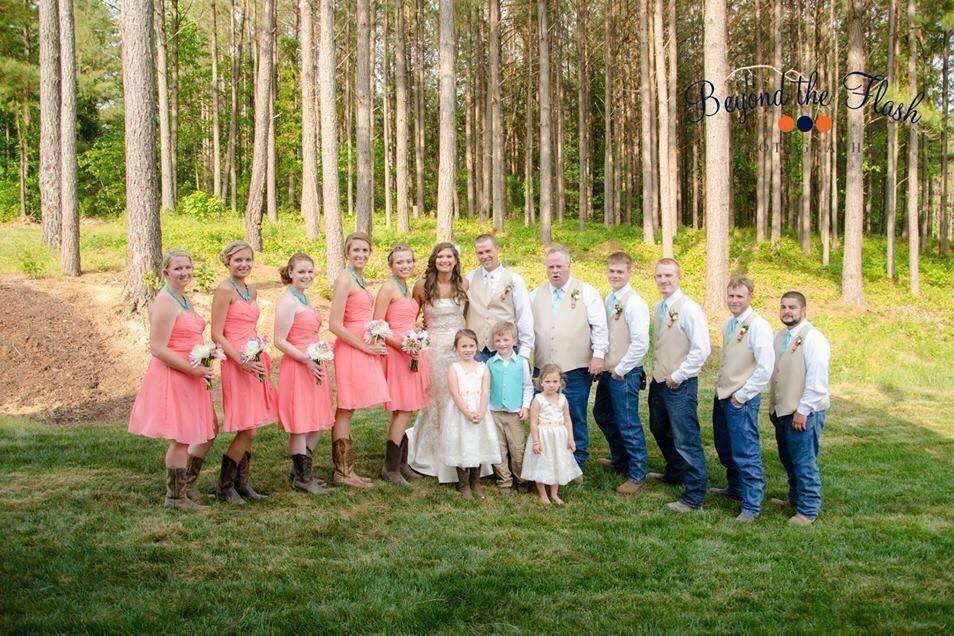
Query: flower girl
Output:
(468,433)
(549,459)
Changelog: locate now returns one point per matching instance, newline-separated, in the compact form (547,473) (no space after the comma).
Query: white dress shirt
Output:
(521,304)
(527,377)
(758,340)
(692,323)
(817,353)
(595,315)
(636,315)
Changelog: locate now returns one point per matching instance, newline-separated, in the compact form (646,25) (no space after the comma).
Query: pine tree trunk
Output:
(557,118)
(165,130)
(662,101)
(263,89)
(400,120)
(528,130)
(583,123)
(945,214)
(496,116)
(675,199)
(776,148)
(546,141)
(387,116)
(50,161)
(851,290)
(334,252)
(447,147)
(23,171)
(760,215)
(419,112)
(271,180)
(69,246)
(144,234)
(174,101)
(486,124)
(717,168)
(362,93)
(912,185)
(608,168)
(649,203)
(216,148)
(309,159)
(891,171)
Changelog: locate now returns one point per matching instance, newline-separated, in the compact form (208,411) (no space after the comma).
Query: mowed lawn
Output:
(87,547)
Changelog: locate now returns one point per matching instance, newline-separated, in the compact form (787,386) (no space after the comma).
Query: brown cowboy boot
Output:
(291,471)
(343,458)
(225,491)
(391,470)
(463,483)
(304,481)
(475,486)
(193,468)
(407,472)
(175,491)
(242,487)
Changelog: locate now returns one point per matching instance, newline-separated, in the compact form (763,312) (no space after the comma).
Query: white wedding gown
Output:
(442,319)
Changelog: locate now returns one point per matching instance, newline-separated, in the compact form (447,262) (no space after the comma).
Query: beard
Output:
(788,321)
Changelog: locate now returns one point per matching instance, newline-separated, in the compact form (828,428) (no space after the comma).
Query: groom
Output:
(495,294)
(569,324)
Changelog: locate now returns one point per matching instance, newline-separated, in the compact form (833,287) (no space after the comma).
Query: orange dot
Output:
(823,123)
(786,123)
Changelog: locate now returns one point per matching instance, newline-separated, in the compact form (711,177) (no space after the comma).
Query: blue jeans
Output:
(675,425)
(577,394)
(798,451)
(616,411)
(735,432)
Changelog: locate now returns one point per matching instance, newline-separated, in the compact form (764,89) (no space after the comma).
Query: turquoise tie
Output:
(611,303)
(786,340)
(555,299)
(732,325)
(661,312)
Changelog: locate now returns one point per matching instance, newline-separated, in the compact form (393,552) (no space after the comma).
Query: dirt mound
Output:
(56,361)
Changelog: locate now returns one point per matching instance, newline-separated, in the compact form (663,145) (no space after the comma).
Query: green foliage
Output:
(31,263)
(201,205)
(102,176)
(153,281)
(204,277)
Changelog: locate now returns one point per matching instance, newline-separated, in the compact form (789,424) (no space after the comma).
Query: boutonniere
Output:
(673,316)
(575,296)
(743,329)
(506,290)
(617,311)
(797,343)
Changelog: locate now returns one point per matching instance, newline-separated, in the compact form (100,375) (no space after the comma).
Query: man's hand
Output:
(736,403)
(672,384)
(596,366)
(523,414)
(798,421)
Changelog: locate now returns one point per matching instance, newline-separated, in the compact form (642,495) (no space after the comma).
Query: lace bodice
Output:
(550,414)
(470,384)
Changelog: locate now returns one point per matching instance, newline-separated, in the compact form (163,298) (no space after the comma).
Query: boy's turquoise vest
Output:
(506,384)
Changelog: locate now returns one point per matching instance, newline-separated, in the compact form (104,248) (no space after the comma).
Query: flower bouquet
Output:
(320,352)
(254,349)
(415,341)
(376,331)
(204,354)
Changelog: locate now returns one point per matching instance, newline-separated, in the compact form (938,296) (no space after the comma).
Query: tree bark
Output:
(912,185)
(776,148)
(362,93)
(583,108)
(50,161)
(309,159)
(271,174)
(387,115)
(469,108)
(717,169)
(675,198)
(945,215)
(546,141)
(69,245)
(144,234)
(216,148)
(891,171)
(419,112)
(851,290)
(165,131)
(649,203)
(334,253)
(805,215)
(447,147)
(608,167)
(263,89)
(496,116)
(400,120)
(833,149)
(662,99)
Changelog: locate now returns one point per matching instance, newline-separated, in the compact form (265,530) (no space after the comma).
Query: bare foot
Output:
(544,500)
(558,501)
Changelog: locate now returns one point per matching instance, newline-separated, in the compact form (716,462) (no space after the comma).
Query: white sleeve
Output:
(470,276)
(692,322)
(596,316)
(521,307)
(817,353)
(527,383)
(636,315)
(760,340)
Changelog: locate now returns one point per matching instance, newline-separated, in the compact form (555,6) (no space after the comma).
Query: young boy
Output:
(511,391)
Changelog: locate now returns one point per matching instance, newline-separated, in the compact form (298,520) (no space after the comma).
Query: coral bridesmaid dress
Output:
(171,404)
(407,388)
(304,406)
(358,375)
(247,401)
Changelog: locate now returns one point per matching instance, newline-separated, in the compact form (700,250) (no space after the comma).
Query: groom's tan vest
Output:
(670,346)
(564,338)
(788,379)
(487,309)
(619,336)
(737,363)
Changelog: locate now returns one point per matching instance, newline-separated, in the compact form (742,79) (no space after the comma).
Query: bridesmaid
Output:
(173,401)
(407,388)
(304,389)
(248,397)
(358,372)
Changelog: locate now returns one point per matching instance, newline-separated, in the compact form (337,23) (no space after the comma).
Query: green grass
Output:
(87,547)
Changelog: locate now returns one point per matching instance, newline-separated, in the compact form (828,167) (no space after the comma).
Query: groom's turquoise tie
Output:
(555,299)
(732,325)
(661,312)
(611,303)
(786,339)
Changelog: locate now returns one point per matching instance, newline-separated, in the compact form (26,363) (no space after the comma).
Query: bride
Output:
(442,293)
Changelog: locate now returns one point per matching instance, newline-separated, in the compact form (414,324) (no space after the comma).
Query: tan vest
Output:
(670,346)
(564,338)
(619,336)
(788,379)
(486,310)
(737,363)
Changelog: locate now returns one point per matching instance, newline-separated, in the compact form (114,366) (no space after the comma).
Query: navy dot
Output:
(805,123)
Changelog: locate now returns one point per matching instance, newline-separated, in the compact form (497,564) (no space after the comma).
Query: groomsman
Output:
(745,369)
(569,324)
(680,348)
(616,409)
(799,399)
(497,295)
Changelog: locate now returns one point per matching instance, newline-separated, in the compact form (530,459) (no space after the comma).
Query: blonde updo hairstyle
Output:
(356,236)
(232,249)
(176,252)
(397,249)
(285,271)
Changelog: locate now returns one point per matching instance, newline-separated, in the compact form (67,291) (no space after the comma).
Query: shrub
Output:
(31,263)
(201,205)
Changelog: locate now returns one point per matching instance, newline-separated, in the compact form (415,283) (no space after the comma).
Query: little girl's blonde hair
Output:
(549,369)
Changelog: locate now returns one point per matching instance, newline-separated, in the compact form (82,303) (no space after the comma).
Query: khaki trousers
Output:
(512,438)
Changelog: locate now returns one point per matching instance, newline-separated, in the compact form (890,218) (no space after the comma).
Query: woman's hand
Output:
(201,371)
(570,444)
(317,370)
(254,367)
(376,348)
(536,448)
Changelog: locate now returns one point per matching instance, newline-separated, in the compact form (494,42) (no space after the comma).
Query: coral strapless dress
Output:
(171,404)
(358,375)
(407,388)
(247,401)
(304,406)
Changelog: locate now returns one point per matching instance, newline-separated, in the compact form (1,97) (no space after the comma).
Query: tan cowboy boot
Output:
(343,458)
(193,468)
(175,491)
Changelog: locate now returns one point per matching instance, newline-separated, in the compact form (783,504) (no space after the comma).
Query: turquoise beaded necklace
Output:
(246,295)
(400,285)
(181,301)
(297,294)
(357,278)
